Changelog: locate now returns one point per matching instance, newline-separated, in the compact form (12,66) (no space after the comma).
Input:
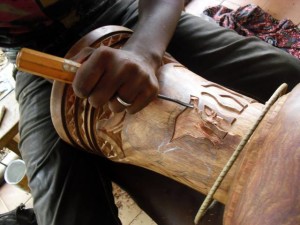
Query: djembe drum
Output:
(190,143)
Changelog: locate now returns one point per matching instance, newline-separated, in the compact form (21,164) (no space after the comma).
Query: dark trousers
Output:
(70,186)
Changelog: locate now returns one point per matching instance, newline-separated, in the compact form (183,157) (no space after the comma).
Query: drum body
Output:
(265,189)
(189,145)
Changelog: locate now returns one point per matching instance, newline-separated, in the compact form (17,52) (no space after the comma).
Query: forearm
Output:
(156,25)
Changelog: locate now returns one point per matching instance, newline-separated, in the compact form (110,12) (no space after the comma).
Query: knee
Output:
(289,69)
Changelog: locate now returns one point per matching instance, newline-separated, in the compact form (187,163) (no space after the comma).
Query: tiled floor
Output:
(11,196)
(130,213)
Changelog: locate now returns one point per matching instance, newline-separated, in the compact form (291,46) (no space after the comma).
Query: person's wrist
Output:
(150,56)
(154,59)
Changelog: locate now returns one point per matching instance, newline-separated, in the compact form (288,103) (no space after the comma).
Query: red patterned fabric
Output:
(251,20)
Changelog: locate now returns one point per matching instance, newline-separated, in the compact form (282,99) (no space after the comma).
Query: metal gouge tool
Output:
(57,68)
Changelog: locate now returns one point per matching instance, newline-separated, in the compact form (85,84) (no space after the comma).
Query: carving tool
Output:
(57,68)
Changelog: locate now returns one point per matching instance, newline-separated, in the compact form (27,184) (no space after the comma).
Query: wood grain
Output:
(266,188)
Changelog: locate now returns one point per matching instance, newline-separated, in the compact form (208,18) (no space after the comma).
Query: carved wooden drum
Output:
(189,145)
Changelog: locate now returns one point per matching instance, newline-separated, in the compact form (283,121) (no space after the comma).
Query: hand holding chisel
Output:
(61,69)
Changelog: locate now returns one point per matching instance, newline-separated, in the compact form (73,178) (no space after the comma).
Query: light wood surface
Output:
(47,66)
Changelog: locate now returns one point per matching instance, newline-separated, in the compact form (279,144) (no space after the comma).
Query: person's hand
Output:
(110,73)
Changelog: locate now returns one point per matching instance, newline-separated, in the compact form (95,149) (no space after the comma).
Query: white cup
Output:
(15,174)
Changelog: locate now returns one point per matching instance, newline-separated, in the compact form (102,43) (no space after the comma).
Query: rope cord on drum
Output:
(281,90)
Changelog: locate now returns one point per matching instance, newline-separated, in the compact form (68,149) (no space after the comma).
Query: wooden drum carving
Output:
(189,145)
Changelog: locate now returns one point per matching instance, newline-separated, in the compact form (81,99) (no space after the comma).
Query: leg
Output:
(67,185)
(164,200)
(248,65)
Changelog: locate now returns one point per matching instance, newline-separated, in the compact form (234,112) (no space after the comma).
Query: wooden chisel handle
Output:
(47,66)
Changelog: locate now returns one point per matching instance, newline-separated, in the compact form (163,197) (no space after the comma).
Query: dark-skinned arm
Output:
(130,73)
(157,22)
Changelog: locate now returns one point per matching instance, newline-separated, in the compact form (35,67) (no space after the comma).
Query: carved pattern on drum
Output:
(77,114)
(246,99)
(70,114)
(214,113)
(115,41)
(107,128)
(80,112)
